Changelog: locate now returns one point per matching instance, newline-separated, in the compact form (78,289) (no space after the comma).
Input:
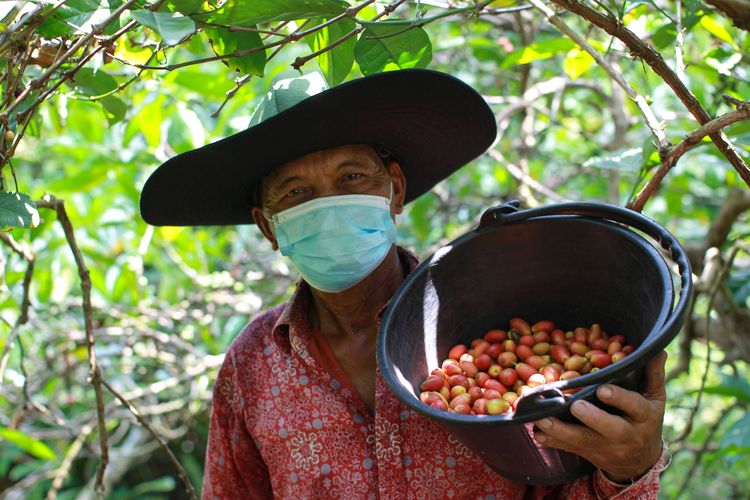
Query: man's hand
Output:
(624,447)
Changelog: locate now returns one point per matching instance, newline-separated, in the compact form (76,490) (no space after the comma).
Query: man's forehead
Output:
(332,157)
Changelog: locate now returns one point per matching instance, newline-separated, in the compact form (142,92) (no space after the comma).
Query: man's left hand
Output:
(625,446)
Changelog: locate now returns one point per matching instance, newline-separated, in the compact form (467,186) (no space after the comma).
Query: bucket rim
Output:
(667,323)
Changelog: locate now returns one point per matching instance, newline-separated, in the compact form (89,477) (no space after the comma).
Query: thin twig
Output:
(73,450)
(654,59)
(180,469)
(689,141)
(516,172)
(715,287)
(389,9)
(657,128)
(699,453)
(95,375)
(44,77)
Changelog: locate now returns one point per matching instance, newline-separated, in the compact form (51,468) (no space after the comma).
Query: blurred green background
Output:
(168,301)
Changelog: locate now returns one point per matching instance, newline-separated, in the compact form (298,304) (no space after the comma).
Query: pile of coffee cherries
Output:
(489,376)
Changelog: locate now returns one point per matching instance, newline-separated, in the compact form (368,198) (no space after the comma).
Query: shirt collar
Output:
(293,325)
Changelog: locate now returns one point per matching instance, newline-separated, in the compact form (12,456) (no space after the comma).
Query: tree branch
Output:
(44,77)
(689,141)
(180,469)
(640,49)
(737,10)
(656,128)
(95,375)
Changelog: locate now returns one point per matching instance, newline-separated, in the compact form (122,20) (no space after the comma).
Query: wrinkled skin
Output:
(624,447)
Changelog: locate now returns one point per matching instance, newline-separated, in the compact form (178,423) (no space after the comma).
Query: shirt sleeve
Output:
(598,486)
(234,467)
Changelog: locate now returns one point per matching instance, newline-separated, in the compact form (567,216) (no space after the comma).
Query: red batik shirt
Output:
(284,425)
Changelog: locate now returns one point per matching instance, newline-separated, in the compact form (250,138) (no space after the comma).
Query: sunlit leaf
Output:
(93,83)
(629,160)
(577,62)
(251,12)
(538,51)
(187,7)
(17,210)
(77,17)
(171,26)
(160,485)
(147,121)
(32,446)
(665,36)
(384,47)
(335,63)
(225,42)
(717,29)
(114,109)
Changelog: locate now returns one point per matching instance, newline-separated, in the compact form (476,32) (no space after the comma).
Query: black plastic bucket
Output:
(575,264)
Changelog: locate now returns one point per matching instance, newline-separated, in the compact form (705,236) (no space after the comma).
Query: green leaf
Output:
(93,83)
(172,26)
(384,47)
(147,121)
(226,42)
(731,386)
(77,13)
(187,7)
(577,62)
(538,51)
(159,485)
(337,62)
(736,441)
(17,210)
(28,444)
(114,109)
(718,30)
(693,12)
(629,160)
(252,12)
(664,36)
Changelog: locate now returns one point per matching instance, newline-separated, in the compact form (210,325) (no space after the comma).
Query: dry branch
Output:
(656,128)
(180,469)
(654,59)
(95,375)
(737,10)
(691,140)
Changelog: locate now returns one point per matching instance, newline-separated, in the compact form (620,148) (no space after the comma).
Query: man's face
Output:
(354,169)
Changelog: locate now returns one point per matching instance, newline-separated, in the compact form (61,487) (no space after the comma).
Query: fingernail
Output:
(605,391)
(540,437)
(579,408)
(544,423)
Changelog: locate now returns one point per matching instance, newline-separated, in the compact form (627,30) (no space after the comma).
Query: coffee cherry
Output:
(457,351)
(496,336)
(504,365)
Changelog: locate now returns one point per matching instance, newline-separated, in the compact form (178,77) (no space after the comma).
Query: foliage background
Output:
(166,302)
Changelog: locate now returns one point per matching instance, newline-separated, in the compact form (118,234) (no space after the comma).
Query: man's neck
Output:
(352,313)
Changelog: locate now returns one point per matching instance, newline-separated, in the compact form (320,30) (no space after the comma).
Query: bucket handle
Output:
(508,213)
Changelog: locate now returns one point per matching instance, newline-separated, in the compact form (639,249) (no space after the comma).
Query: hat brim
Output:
(431,122)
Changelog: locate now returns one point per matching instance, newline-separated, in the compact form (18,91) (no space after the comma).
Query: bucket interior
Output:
(572,270)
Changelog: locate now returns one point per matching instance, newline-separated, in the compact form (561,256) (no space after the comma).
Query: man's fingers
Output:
(655,378)
(636,407)
(569,437)
(599,420)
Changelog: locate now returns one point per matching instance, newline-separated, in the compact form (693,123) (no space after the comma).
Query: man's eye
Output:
(294,192)
(353,177)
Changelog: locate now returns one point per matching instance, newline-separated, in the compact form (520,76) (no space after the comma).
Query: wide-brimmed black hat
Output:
(430,122)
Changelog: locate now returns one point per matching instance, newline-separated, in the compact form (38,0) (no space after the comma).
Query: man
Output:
(300,409)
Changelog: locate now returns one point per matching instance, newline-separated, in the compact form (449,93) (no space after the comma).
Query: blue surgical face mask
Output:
(336,241)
